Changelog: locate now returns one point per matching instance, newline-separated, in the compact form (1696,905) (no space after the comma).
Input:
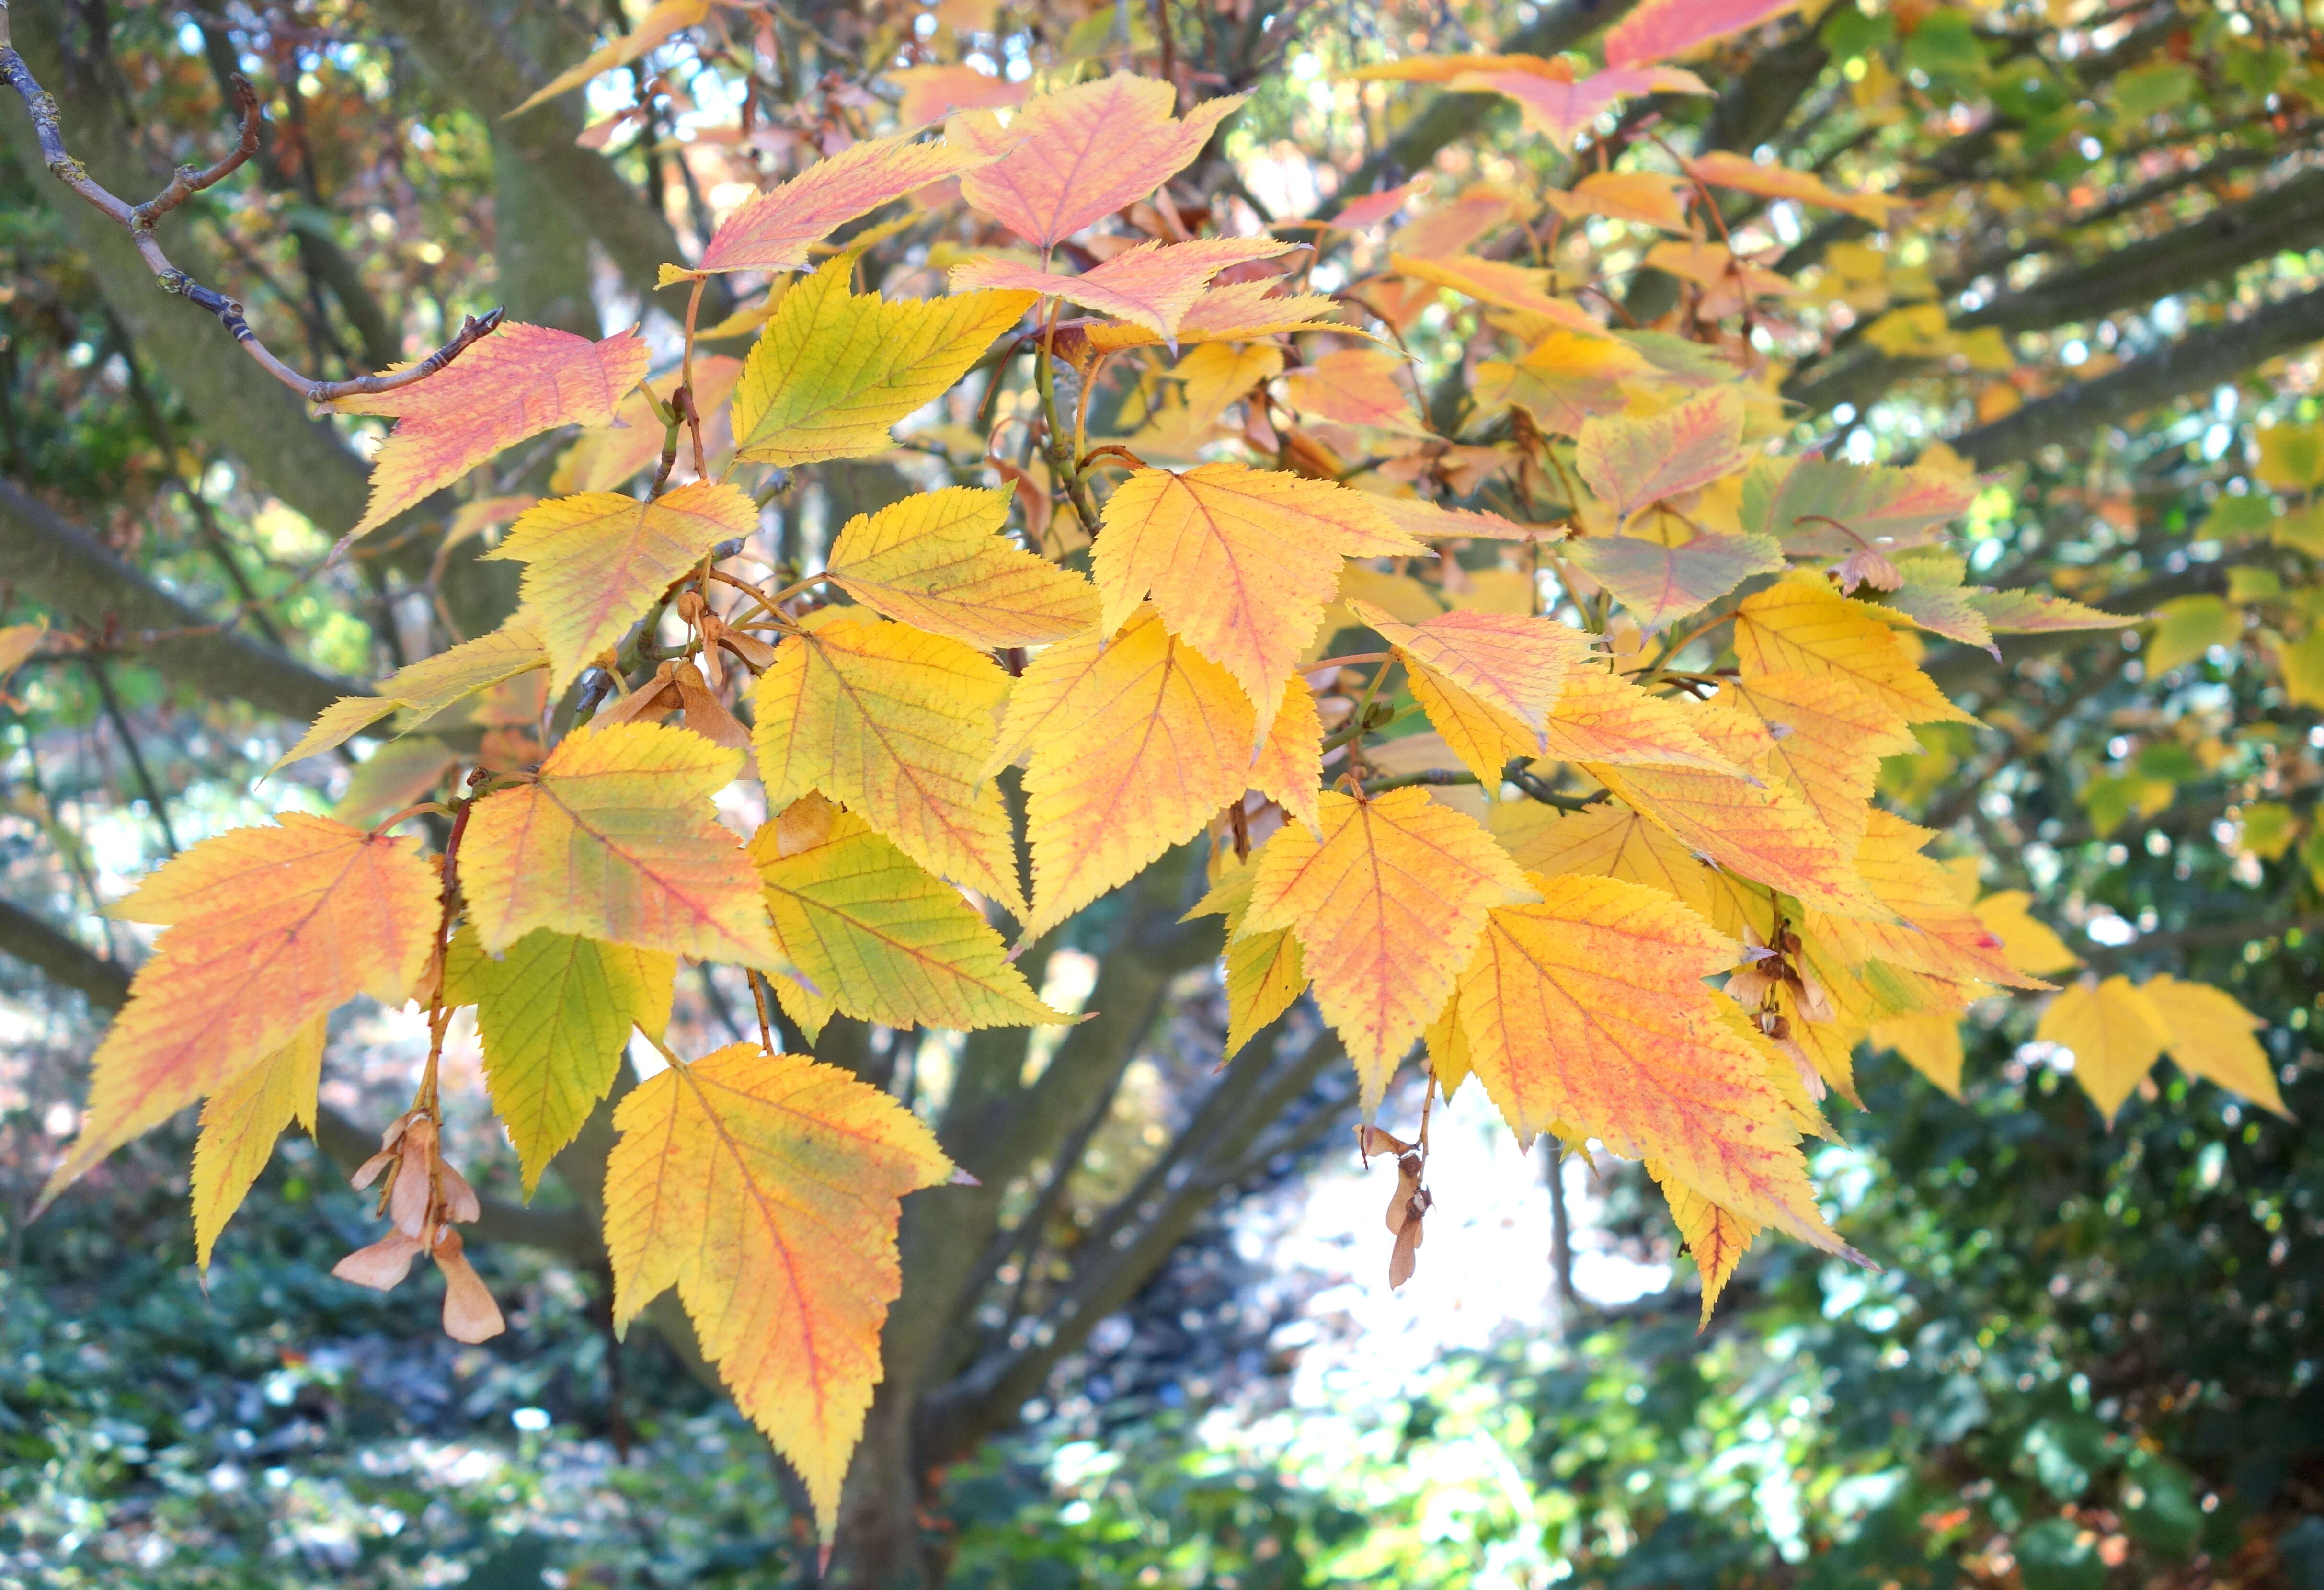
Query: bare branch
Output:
(64,570)
(139,220)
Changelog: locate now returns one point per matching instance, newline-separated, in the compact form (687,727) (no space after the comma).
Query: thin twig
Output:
(139,220)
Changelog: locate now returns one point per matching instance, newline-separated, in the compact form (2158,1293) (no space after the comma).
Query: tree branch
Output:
(2203,358)
(67,571)
(138,221)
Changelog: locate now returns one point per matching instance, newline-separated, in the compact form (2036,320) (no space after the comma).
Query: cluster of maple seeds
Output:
(422,1197)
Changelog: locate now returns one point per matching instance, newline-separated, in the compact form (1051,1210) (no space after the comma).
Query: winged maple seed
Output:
(423,1197)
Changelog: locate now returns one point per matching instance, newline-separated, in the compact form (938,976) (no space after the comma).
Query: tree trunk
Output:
(882,1544)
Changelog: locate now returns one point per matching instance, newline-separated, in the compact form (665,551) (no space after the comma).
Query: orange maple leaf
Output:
(595,563)
(518,381)
(1239,562)
(269,926)
(1068,159)
(617,839)
(1133,744)
(1590,1009)
(765,1189)
(1830,739)
(774,230)
(1764,831)
(1387,907)
(1354,386)
(1152,285)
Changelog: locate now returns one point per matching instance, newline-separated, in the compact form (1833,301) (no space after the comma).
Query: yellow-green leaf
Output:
(834,369)
(877,936)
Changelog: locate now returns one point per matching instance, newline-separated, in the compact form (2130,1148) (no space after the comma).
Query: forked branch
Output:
(139,221)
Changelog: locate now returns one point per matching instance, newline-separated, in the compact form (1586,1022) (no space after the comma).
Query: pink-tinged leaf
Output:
(1069,159)
(1560,110)
(518,381)
(1725,169)
(2030,612)
(932,93)
(1373,209)
(1152,285)
(1656,583)
(1823,508)
(1451,228)
(773,231)
(1662,29)
(1240,311)
(1354,386)
(1564,382)
(1632,463)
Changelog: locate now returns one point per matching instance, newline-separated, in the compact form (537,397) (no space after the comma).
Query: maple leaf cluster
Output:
(1622,866)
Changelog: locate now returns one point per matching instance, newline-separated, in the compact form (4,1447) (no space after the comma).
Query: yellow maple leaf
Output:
(1931,1043)
(1803,626)
(617,839)
(766,1188)
(1446,1043)
(1830,736)
(239,1122)
(1612,841)
(1933,932)
(1134,745)
(269,926)
(1590,1008)
(1717,1237)
(424,689)
(939,561)
(876,936)
(1764,832)
(2114,1034)
(1650,199)
(1599,717)
(597,563)
(1238,562)
(834,369)
(1387,906)
(2211,1036)
(2029,943)
(896,726)
(554,1015)
(1215,377)
(1264,973)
